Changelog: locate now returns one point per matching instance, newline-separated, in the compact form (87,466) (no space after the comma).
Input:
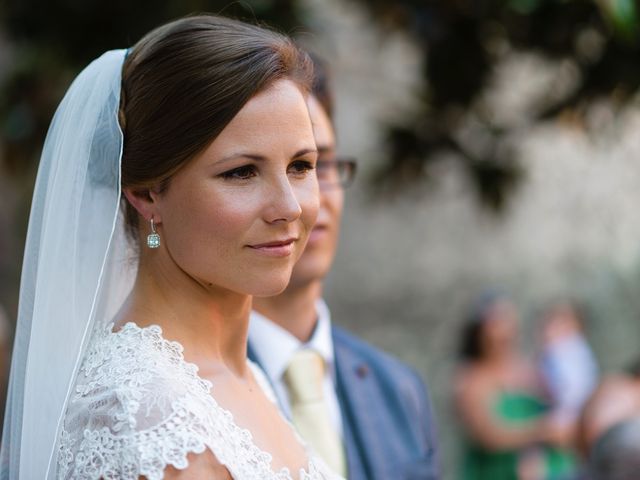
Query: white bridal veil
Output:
(77,266)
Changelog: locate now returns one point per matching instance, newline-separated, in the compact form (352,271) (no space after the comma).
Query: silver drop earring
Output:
(153,239)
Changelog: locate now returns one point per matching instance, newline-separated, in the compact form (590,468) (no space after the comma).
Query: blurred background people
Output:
(617,398)
(566,362)
(502,404)
(616,453)
(368,414)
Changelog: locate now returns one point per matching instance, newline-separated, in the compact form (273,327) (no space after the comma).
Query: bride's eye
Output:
(241,173)
(301,167)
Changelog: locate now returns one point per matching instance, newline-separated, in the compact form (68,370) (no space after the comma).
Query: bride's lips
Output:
(277,248)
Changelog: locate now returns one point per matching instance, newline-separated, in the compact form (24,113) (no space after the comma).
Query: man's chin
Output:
(306,272)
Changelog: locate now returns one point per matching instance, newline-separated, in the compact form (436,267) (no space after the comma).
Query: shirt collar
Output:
(275,346)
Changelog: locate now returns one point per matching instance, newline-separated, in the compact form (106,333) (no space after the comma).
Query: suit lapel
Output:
(366,455)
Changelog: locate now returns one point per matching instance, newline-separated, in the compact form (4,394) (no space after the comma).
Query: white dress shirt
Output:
(275,346)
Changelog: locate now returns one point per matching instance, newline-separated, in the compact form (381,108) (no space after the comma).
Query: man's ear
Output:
(145,203)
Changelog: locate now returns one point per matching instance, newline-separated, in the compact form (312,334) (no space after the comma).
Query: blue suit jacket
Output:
(388,423)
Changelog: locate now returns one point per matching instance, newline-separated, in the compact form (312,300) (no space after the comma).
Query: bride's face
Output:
(238,215)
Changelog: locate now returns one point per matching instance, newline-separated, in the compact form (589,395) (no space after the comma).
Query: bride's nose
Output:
(281,202)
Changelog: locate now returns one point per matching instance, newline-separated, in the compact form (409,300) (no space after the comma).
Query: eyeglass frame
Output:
(345,165)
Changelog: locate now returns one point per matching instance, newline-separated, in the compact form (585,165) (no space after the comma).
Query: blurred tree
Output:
(463,41)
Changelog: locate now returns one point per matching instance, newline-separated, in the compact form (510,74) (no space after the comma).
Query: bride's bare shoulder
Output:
(201,465)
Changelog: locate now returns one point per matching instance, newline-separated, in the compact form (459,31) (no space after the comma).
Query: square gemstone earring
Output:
(153,239)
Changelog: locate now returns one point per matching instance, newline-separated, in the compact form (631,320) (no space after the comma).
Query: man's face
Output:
(323,241)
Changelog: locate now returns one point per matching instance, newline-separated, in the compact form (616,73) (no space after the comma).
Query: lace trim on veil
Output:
(139,407)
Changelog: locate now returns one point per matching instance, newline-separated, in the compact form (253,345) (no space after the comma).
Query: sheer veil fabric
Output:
(78,266)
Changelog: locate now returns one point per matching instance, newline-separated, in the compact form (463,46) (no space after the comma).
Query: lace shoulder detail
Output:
(138,407)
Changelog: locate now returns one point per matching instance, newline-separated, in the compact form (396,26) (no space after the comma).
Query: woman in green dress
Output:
(501,403)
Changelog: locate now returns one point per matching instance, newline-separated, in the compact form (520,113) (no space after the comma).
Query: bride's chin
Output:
(274,285)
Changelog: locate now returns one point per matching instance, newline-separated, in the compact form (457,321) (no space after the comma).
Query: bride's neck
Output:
(210,322)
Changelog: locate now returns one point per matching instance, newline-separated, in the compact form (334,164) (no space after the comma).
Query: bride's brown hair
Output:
(184,82)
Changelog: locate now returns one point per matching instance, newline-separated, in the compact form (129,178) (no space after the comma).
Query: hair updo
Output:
(184,82)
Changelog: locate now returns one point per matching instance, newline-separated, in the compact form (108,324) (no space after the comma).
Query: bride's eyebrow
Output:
(249,156)
(260,158)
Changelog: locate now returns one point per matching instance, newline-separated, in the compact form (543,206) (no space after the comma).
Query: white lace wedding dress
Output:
(138,407)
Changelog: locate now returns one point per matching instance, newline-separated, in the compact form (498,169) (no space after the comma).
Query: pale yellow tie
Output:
(309,409)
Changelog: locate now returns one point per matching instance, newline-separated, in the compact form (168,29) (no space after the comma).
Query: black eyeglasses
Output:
(336,173)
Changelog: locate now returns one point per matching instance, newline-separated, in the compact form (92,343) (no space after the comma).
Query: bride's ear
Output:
(145,203)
